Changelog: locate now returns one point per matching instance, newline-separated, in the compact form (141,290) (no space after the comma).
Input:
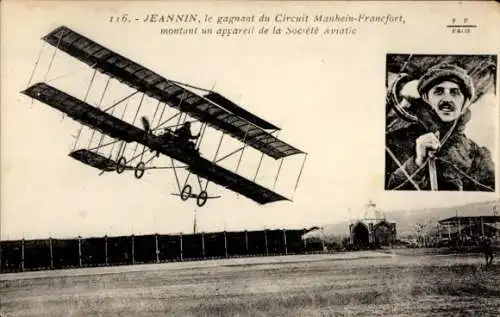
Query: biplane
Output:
(210,109)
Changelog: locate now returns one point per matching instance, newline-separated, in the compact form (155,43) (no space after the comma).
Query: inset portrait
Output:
(441,116)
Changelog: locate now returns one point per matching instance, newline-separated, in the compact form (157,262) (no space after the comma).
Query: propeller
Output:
(146,124)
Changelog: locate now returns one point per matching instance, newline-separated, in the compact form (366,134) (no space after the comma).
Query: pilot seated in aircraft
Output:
(184,136)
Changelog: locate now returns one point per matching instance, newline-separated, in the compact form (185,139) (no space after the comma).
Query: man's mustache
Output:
(447,105)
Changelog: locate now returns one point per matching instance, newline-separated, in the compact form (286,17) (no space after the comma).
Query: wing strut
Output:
(141,154)
(135,117)
(161,115)
(113,107)
(300,174)
(172,117)
(85,100)
(120,101)
(258,167)
(36,64)
(150,159)
(99,106)
(52,58)
(197,147)
(218,146)
(156,111)
(152,121)
(144,146)
(261,158)
(166,121)
(180,107)
(162,112)
(242,151)
(229,154)
(103,145)
(198,142)
(199,182)
(122,143)
(278,173)
(176,177)
(216,153)
(241,157)
(202,134)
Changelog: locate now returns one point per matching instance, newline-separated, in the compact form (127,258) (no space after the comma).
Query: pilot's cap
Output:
(447,72)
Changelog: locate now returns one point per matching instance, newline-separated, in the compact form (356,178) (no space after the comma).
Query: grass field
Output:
(345,284)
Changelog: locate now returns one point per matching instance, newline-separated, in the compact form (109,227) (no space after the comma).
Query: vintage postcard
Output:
(249,158)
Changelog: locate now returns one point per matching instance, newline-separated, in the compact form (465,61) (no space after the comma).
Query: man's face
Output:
(446,99)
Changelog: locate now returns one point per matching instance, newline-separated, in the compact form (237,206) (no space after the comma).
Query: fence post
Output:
(133,249)
(80,250)
(246,242)
(157,251)
(305,243)
(265,238)
(106,249)
(182,256)
(22,255)
(225,243)
(51,254)
(203,245)
(284,239)
(482,225)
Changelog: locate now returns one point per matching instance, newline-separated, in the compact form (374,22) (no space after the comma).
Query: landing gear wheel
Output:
(139,170)
(186,192)
(202,199)
(120,166)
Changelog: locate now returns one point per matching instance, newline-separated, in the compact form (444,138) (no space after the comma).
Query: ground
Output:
(343,284)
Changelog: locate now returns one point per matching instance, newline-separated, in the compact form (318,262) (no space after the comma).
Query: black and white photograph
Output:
(441,122)
(249,158)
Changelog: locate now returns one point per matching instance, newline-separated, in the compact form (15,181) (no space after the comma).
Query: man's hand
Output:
(426,145)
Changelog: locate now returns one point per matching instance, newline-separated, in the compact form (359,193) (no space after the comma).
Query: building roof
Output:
(469,219)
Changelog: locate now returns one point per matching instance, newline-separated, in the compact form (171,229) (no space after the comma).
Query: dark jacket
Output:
(184,133)
(461,164)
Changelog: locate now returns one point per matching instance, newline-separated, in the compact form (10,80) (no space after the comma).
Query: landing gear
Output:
(186,192)
(139,170)
(202,199)
(120,166)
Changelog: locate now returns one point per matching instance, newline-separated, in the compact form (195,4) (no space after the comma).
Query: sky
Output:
(326,93)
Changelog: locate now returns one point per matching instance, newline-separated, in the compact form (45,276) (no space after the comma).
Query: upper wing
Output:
(237,110)
(225,116)
(114,127)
